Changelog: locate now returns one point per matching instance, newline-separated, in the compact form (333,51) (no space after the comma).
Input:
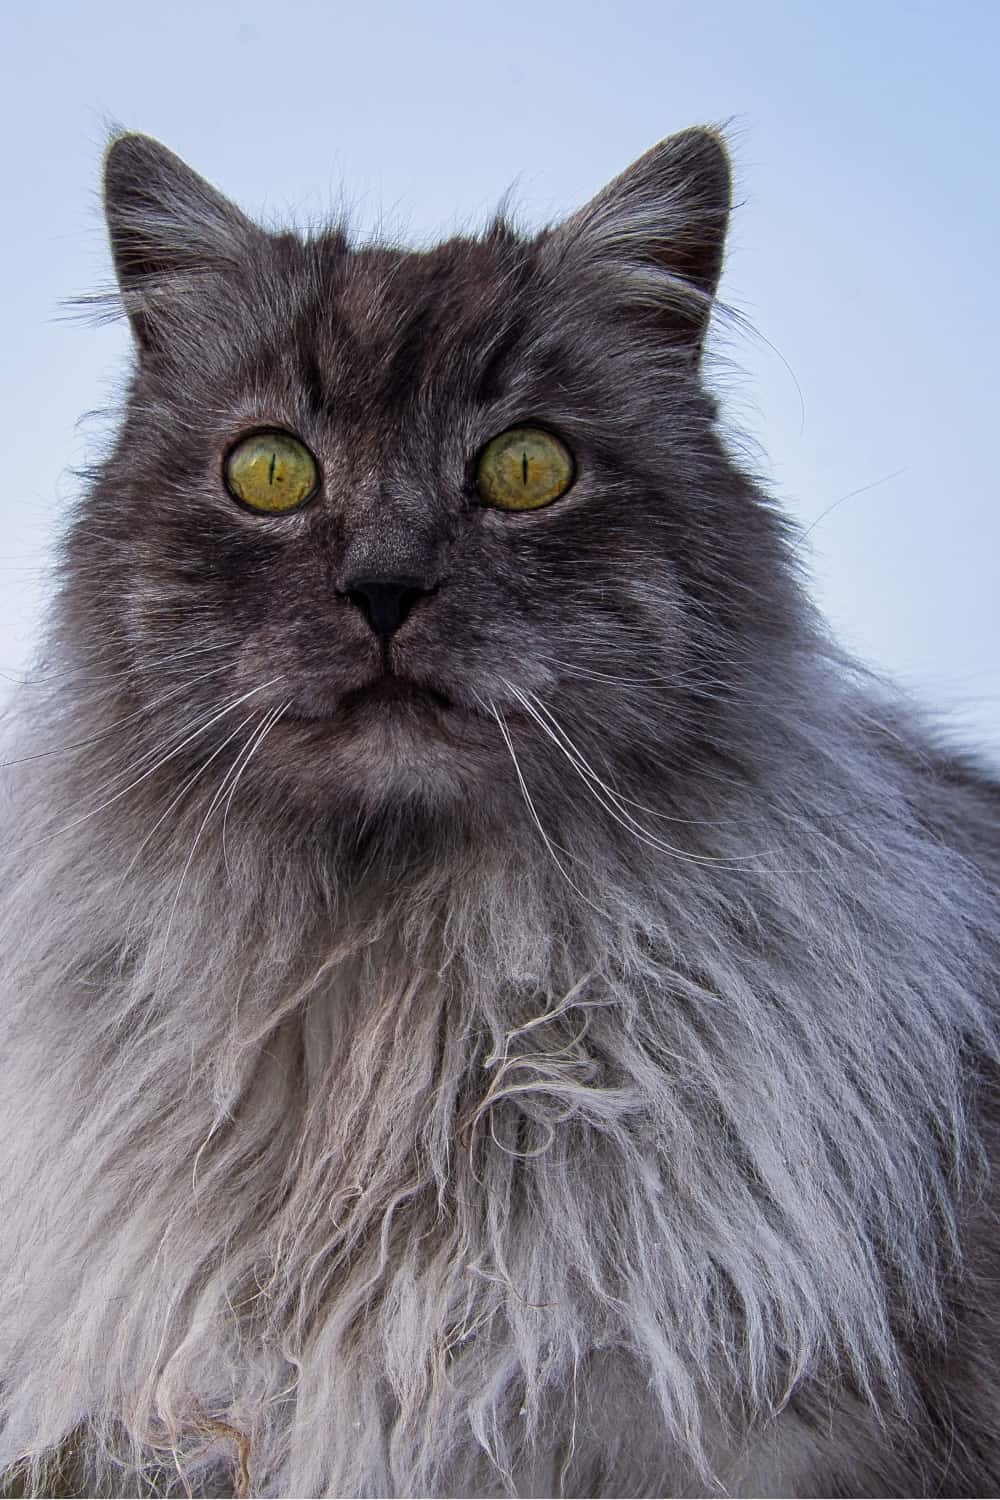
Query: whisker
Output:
(152,665)
(251,750)
(170,741)
(611,801)
(590,674)
(144,711)
(75,823)
(840,817)
(178,797)
(693,681)
(620,797)
(494,709)
(237,770)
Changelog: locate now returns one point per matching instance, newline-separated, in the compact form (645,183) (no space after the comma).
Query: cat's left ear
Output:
(654,237)
(167,225)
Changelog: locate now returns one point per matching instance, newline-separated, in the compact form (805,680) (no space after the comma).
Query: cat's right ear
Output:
(167,226)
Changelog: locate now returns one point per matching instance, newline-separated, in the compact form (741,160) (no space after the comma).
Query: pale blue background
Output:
(867,139)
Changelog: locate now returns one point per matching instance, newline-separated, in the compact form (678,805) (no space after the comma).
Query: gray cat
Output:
(493,1000)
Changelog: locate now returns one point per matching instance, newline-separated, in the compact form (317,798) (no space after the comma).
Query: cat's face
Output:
(403,618)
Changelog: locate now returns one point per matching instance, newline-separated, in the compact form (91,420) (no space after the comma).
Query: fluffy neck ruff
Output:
(372,1171)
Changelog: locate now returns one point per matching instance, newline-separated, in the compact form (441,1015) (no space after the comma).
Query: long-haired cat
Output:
(493,1001)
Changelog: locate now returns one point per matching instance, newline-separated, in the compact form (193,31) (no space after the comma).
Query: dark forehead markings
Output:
(388,320)
(313,384)
(323,339)
(492,377)
(469,295)
(412,346)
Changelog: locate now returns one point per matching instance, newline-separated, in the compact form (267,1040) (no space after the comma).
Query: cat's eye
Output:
(270,471)
(524,469)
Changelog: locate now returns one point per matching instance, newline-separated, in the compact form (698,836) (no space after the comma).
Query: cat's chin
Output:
(392,741)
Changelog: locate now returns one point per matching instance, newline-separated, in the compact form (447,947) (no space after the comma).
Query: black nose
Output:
(385,602)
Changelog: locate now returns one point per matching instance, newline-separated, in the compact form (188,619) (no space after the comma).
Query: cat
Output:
(494,1000)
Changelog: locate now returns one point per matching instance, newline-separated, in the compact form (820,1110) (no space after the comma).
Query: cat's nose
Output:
(384,601)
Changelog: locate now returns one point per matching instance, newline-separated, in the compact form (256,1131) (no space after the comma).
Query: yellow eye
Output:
(271,471)
(524,469)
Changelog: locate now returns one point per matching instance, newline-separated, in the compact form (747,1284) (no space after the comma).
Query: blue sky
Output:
(867,141)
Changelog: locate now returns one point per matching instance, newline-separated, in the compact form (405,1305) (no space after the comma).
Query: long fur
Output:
(623,1127)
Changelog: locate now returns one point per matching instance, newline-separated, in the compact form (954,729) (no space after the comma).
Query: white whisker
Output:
(611,801)
(494,709)
(147,708)
(250,750)
(179,796)
(154,664)
(234,771)
(75,823)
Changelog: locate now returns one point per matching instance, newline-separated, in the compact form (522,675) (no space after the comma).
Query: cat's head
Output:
(410,512)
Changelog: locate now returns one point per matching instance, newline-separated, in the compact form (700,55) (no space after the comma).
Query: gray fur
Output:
(581,1081)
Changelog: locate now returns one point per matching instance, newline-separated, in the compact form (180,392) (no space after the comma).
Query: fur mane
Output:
(393,1151)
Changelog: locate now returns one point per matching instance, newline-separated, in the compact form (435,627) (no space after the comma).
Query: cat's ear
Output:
(655,236)
(167,226)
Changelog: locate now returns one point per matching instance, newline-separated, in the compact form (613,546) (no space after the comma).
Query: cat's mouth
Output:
(402,707)
(392,691)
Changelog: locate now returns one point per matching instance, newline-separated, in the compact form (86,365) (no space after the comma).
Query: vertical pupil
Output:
(524,468)
(270,472)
